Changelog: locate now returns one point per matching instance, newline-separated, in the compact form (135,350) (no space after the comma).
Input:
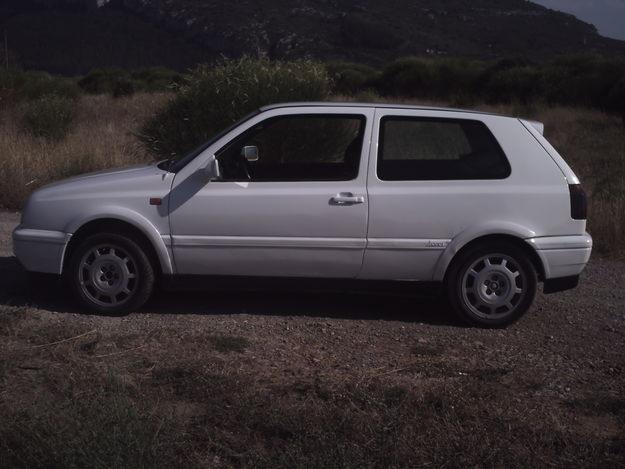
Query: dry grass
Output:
(105,136)
(109,398)
(102,138)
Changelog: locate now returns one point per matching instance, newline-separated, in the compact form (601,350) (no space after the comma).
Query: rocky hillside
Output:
(71,36)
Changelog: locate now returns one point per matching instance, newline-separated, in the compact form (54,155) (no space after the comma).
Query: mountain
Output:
(73,36)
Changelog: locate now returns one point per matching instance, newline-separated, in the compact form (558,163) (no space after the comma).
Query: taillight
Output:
(579,202)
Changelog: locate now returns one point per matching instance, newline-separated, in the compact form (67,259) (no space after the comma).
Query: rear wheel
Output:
(492,285)
(110,274)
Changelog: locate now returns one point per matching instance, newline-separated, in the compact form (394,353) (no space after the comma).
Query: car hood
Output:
(109,175)
(54,206)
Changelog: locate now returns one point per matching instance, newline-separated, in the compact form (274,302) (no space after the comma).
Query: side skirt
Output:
(219,283)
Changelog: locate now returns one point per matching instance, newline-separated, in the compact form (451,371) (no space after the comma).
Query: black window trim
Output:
(396,117)
(363,130)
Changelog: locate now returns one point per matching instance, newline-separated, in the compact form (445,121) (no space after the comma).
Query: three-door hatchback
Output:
(479,203)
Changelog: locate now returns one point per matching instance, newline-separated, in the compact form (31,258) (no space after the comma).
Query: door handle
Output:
(346,198)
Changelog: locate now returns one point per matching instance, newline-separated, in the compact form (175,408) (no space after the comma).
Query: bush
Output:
(212,98)
(122,83)
(454,78)
(156,79)
(39,84)
(616,98)
(10,82)
(123,88)
(351,78)
(521,84)
(102,81)
(584,81)
(407,77)
(50,117)
(16,85)
(368,96)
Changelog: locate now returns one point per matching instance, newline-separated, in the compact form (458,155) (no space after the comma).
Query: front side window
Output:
(422,149)
(310,147)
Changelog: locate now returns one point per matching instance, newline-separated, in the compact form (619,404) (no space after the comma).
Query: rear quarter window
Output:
(434,149)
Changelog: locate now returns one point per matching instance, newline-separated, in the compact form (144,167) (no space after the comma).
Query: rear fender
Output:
(473,233)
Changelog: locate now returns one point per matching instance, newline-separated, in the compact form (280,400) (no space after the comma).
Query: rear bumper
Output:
(563,256)
(40,250)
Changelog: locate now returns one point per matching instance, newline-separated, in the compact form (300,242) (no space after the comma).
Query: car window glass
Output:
(438,149)
(297,148)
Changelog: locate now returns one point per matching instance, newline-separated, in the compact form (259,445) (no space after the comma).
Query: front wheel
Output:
(110,274)
(492,285)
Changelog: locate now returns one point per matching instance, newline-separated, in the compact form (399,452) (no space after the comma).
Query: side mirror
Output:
(250,153)
(212,170)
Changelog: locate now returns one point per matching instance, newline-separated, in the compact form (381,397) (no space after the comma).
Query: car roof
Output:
(372,105)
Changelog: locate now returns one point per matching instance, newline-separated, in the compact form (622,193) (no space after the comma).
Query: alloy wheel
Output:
(493,286)
(108,275)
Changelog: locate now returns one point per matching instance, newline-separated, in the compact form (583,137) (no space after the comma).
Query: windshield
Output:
(175,164)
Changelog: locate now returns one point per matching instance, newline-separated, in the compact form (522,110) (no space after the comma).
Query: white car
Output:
(479,203)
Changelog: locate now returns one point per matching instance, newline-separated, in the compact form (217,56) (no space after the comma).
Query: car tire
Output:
(491,285)
(110,274)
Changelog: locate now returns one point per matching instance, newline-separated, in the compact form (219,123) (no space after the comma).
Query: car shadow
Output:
(19,289)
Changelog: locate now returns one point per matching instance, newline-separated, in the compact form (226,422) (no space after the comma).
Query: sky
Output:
(607,15)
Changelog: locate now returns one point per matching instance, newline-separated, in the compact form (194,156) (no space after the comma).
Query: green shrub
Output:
(212,98)
(50,117)
(522,84)
(122,83)
(583,80)
(39,84)
(616,99)
(572,81)
(18,85)
(123,88)
(10,81)
(156,79)
(102,81)
(454,78)
(351,78)
(407,77)
(369,95)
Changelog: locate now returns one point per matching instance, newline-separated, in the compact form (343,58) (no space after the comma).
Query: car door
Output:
(434,175)
(299,209)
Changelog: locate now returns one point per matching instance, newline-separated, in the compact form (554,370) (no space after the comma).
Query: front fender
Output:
(473,233)
(136,220)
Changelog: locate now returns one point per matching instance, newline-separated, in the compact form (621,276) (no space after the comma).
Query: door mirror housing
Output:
(212,170)
(250,153)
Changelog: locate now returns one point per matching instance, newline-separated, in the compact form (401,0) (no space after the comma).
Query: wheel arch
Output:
(456,249)
(143,231)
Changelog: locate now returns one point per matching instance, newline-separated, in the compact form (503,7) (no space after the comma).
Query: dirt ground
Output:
(296,379)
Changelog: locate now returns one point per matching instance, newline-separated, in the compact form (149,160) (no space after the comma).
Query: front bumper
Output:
(563,256)
(557,285)
(40,250)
